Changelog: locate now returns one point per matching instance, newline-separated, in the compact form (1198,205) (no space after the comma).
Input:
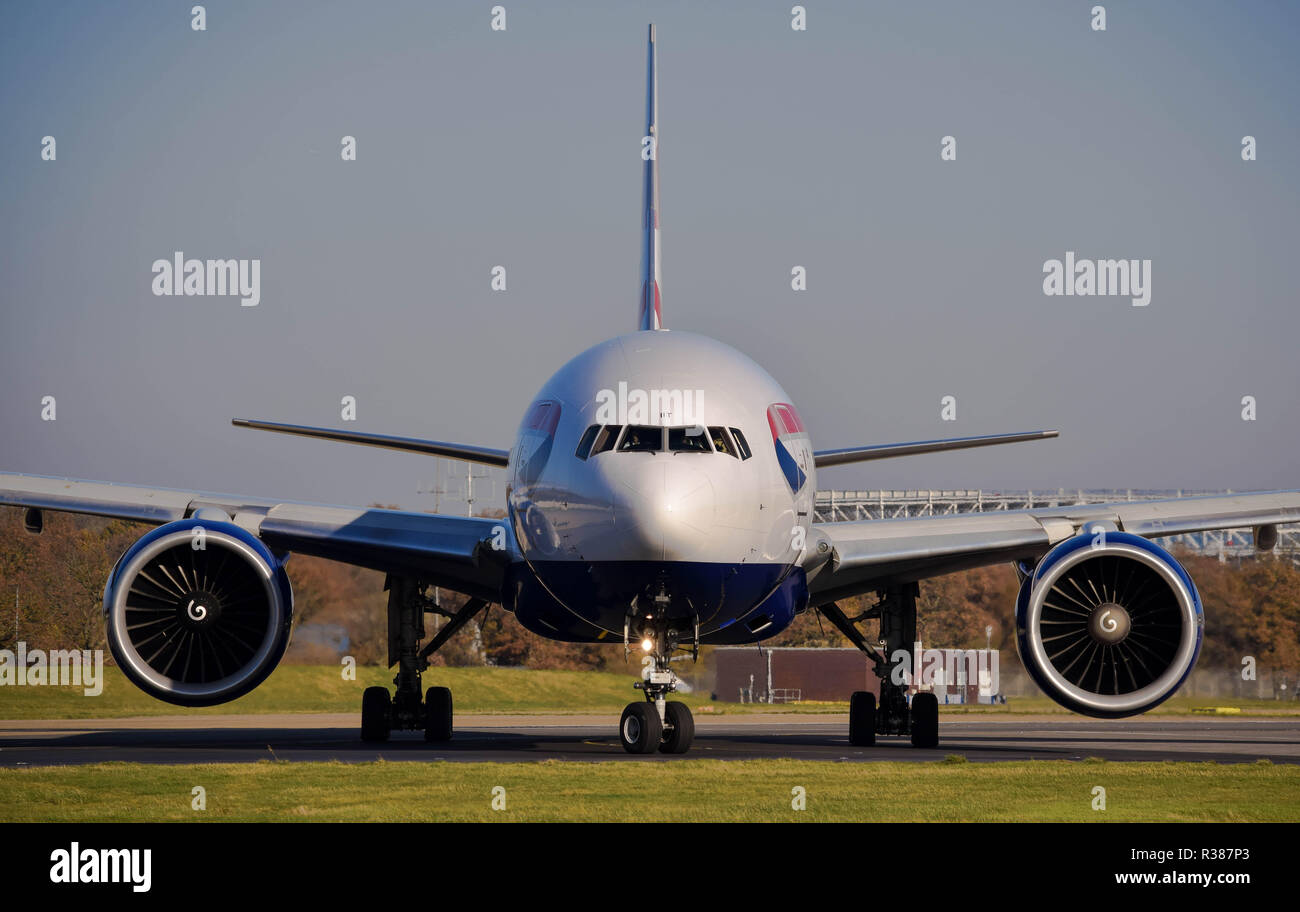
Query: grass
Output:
(675,791)
(322,689)
(623,790)
(1177,705)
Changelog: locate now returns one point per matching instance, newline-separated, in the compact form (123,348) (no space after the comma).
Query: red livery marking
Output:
(544,417)
(783,419)
(794,416)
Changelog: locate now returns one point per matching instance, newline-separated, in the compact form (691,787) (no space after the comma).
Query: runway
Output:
(247,738)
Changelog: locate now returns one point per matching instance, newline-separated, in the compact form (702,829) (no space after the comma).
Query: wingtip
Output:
(652,33)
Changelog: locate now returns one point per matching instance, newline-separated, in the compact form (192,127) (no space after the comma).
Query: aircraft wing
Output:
(484,455)
(850,558)
(455,552)
(825,458)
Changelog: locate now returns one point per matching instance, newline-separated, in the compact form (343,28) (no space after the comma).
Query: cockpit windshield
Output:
(587,439)
(688,440)
(645,438)
(608,436)
(741,443)
(720,442)
(642,439)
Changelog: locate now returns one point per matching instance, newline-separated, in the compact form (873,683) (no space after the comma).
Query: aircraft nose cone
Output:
(663,511)
(688,509)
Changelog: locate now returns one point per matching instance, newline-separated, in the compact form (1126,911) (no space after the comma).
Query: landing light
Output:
(647,644)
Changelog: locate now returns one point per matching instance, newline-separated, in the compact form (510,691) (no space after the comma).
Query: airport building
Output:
(748,674)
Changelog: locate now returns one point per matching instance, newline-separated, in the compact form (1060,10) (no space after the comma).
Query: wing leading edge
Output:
(865,555)
(824,458)
(482,455)
(466,554)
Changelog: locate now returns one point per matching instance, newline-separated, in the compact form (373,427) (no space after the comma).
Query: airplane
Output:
(660,496)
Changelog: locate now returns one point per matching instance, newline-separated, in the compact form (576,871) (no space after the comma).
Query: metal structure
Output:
(841,506)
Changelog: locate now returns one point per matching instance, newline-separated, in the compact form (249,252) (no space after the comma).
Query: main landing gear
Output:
(409,708)
(657,723)
(896,612)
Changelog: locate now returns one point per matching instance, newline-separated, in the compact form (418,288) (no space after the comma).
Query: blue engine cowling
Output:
(1109,624)
(198,612)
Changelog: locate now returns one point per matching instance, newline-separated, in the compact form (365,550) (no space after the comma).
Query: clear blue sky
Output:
(817,148)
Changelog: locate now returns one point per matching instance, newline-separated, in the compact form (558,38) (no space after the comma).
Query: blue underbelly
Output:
(588,602)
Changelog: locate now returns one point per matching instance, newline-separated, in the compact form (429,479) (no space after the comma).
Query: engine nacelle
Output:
(1109,625)
(198,612)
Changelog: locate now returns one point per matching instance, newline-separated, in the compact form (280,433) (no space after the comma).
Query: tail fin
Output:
(650,314)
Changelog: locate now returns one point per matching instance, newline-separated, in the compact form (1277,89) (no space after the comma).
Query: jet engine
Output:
(1109,624)
(198,612)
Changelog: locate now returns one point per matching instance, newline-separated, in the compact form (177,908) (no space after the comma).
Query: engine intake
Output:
(198,612)
(1109,625)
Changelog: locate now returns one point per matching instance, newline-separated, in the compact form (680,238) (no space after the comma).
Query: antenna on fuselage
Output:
(650,317)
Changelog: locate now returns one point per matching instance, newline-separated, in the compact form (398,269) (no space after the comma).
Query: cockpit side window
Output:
(721,442)
(605,440)
(741,443)
(688,440)
(588,438)
(642,439)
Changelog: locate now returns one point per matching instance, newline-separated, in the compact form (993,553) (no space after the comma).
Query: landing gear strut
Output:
(657,723)
(410,708)
(896,613)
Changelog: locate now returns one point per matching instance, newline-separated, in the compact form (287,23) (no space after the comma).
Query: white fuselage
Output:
(600,480)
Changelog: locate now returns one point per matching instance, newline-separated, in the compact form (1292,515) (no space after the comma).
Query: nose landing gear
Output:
(657,723)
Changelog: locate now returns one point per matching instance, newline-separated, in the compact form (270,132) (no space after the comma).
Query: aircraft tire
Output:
(677,739)
(376,714)
(925,720)
(437,714)
(862,719)
(640,729)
